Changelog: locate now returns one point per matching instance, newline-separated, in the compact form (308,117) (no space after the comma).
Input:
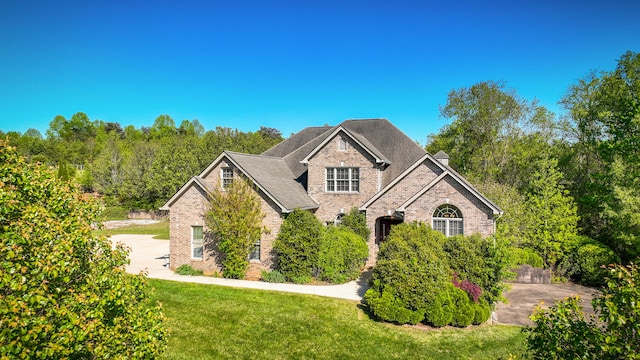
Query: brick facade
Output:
(413,196)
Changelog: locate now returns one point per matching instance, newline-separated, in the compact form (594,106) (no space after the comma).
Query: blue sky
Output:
(292,64)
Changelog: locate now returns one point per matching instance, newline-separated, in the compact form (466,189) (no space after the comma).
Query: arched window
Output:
(448,220)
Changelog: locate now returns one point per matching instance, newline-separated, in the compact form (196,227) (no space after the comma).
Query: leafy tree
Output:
(64,292)
(605,158)
(163,127)
(493,133)
(563,332)
(298,245)
(554,229)
(234,218)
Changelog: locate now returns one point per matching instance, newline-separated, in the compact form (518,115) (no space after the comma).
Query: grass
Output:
(213,322)
(159,229)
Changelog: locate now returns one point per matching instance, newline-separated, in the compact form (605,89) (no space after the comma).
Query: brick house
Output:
(369,164)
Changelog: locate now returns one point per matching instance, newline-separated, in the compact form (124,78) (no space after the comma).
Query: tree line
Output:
(569,185)
(137,168)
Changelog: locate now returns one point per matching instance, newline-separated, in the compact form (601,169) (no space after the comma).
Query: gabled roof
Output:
(359,139)
(379,137)
(447,171)
(272,176)
(194,181)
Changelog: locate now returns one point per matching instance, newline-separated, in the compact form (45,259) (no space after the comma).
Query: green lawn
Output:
(212,322)
(160,229)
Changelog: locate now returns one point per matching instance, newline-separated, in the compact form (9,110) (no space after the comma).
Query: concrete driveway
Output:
(148,254)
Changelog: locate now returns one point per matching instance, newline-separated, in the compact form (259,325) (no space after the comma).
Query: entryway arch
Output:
(384,224)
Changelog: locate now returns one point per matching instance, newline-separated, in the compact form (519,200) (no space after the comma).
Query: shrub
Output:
(357,222)
(464,312)
(411,269)
(482,312)
(474,291)
(387,306)
(440,311)
(586,262)
(342,254)
(274,276)
(562,332)
(298,244)
(185,269)
(65,292)
(525,256)
(482,261)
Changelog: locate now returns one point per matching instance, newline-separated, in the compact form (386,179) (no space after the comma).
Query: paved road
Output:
(148,254)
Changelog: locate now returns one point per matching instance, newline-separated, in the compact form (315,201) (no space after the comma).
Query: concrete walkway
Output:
(149,254)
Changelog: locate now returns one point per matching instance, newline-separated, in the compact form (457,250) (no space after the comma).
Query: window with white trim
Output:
(342,145)
(197,242)
(343,179)
(255,251)
(448,220)
(227,177)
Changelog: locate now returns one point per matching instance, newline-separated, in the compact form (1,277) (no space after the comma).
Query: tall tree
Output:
(235,218)
(604,111)
(491,131)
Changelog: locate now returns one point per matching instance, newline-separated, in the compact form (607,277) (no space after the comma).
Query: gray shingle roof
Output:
(275,178)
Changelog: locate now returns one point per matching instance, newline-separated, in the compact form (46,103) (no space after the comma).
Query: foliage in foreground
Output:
(64,292)
(255,324)
(563,332)
(416,278)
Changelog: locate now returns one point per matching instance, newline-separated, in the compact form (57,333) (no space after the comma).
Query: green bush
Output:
(525,256)
(482,261)
(440,311)
(274,276)
(464,312)
(298,244)
(387,306)
(586,262)
(357,222)
(185,269)
(411,269)
(482,312)
(342,254)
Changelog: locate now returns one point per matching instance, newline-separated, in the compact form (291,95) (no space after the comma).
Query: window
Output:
(255,251)
(197,247)
(342,145)
(227,177)
(448,220)
(343,179)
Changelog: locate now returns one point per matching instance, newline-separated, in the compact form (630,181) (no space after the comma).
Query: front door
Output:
(383,227)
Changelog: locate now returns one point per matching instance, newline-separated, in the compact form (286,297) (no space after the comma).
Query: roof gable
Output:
(447,171)
(357,138)
(194,181)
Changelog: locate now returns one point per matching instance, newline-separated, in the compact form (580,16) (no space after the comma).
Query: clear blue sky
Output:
(292,64)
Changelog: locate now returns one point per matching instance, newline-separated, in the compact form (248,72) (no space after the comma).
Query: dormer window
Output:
(342,145)
(227,177)
(343,179)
